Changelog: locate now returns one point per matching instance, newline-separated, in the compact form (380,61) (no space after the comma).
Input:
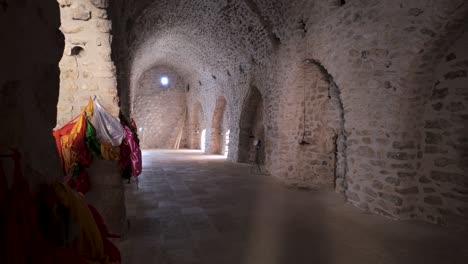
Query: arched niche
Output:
(219,127)
(313,140)
(160,108)
(197,127)
(252,131)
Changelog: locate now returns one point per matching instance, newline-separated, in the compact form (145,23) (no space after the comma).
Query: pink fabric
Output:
(130,153)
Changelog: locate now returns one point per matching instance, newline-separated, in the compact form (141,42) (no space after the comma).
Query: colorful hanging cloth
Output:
(81,231)
(79,180)
(110,152)
(109,248)
(108,128)
(91,139)
(130,153)
(71,144)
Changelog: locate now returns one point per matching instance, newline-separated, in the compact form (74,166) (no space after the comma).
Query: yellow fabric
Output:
(109,152)
(69,156)
(89,109)
(88,242)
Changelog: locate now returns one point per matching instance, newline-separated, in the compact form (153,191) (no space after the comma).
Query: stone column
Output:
(107,193)
(87,70)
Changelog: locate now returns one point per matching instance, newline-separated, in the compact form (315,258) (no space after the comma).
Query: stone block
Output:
(407,191)
(64,3)
(455,75)
(433,200)
(104,26)
(100,3)
(433,138)
(398,201)
(80,12)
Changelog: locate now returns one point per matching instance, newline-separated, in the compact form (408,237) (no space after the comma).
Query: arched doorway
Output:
(252,132)
(313,137)
(197,127)
(218,127)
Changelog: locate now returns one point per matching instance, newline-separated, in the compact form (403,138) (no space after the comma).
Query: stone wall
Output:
(196,126)
(312,129)
(160,110)
(252,128)
(87,70)
(377,63)
(31,48)
(444,168)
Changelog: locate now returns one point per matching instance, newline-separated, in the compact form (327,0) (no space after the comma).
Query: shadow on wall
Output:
(252,129)
(29,83)
(444,178)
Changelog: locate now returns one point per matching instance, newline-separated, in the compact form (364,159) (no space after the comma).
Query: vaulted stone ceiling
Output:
(382,56)
(203,40)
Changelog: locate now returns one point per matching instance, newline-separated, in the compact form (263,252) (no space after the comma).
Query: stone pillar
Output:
(107,193)
(87,70)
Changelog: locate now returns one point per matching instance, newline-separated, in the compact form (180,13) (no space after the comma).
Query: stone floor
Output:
(193,208)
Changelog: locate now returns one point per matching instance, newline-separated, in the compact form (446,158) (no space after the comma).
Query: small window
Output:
(77,51)
(164,81)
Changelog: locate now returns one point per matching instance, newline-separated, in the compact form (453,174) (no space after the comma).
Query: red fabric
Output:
(20,238)
(79,146)
(81,183)
(131,153)
(65,130)
(21,230)
(109,248)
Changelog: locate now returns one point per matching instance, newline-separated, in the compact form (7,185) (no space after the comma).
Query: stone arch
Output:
(159,110)
(316,137)
(218,127)
(251,127)
(197,126)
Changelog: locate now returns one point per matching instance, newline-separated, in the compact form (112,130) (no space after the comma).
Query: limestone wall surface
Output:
(160,111)
(29,84)
(375,63)
(444,166)
(87,70)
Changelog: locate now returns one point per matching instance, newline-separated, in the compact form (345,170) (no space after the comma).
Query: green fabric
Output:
(91,140)
(76,170)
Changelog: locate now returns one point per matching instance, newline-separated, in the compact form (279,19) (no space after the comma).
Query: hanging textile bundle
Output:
(68,222)
(72,146)
(91,139)
(110,152)
(130,154)
(79,181)
(108,128)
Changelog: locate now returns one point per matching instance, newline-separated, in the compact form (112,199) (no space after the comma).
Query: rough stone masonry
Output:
(375,89)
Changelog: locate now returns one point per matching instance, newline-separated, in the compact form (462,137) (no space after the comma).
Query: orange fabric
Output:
(71,144)
(109,152)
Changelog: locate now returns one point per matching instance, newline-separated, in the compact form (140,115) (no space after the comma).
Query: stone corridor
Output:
(194,208)
(357,109)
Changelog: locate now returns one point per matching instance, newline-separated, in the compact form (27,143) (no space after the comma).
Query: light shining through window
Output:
(164,81)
